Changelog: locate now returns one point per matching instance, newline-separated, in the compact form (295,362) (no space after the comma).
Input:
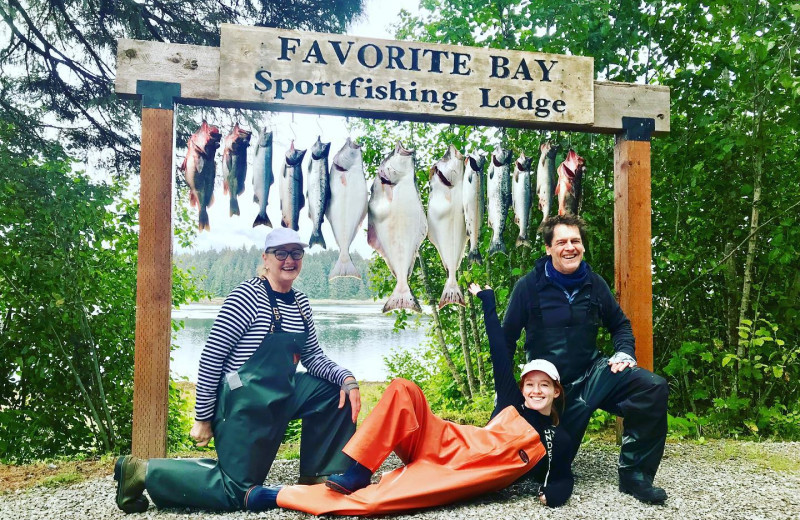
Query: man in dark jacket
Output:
(561,304)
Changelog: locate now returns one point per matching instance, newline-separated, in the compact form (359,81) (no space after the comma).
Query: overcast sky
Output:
(235,232)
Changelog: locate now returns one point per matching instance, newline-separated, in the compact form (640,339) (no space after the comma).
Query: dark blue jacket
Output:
(591,302)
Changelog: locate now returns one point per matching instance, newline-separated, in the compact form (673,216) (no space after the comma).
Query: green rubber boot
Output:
(129,472)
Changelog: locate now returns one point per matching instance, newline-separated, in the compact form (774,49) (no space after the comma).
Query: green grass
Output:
(750,452)
(62,479)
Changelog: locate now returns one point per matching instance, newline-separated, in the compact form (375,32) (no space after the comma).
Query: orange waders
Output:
(444,461)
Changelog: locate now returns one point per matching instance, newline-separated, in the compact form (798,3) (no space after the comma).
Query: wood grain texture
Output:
(197,69)
(308,66)
(632,235)
(153,286)
(613,100)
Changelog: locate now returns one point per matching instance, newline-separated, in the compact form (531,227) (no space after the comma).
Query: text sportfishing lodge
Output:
(393,57)
(315,69)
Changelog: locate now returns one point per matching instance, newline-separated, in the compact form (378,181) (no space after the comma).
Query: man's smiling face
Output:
(566,249)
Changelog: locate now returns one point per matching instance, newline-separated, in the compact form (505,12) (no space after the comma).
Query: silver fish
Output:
(570,179)
(291,188)
(318,191)
(200,169)
(234,164)
(521,197)
(262,176)
(347,206)
(499,196)
(545,175)
(447,229)
(474,202)
(396,225)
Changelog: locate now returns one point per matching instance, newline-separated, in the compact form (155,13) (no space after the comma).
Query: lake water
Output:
(356,336)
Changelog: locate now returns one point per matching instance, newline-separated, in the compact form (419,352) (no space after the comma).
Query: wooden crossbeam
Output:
(196,69)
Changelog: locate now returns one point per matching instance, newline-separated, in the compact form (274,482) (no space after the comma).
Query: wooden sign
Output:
(370,77)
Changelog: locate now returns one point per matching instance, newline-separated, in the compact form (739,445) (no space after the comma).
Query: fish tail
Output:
(497,247)
(402,299)
(451,294)
(523,241)
(317,239)
(262,219)
(344,268)
(203,221)
(234,206)
(475,256)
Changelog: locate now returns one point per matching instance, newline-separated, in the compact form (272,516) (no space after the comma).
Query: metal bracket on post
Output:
(158,94)
(638,128)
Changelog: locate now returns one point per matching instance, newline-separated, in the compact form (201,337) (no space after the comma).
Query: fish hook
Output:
(291,126)
(321,131)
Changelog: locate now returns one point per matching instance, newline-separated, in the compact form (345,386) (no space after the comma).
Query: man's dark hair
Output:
(549,224)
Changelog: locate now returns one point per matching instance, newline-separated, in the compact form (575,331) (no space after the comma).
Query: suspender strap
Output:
(277,318)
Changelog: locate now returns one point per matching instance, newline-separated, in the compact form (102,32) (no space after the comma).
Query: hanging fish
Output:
(262,176)
(521,197)
(291,188)
(499,196)
(545,175)
(234,164)
(318,190)
(396,225)
(200,169)
(447,229)
(474,202)
(568,189)
(347,206)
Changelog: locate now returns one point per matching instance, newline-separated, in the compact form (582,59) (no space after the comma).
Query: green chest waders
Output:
(253,408)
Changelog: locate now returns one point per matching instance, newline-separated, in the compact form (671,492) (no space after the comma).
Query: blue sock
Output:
(260,498)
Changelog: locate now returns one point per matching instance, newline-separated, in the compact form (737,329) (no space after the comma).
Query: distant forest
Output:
(218,272)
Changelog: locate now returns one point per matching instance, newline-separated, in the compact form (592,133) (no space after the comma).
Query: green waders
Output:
(254,406)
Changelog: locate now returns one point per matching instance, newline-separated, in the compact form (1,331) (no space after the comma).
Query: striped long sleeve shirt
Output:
(240,327)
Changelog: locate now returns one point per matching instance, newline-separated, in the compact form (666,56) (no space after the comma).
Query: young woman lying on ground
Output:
(446,462)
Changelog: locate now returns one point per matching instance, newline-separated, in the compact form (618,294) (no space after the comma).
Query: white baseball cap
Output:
(282,236)
(541,365)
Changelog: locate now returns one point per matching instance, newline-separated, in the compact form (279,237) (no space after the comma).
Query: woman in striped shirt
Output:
(248,391)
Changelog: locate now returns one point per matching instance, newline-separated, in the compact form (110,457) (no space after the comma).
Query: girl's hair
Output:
(558,403)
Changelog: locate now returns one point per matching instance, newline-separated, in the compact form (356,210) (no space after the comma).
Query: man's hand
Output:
(620,366)
(201,432)
(620,361)
(355,398)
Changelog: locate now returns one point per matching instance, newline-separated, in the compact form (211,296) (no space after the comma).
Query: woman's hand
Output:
(474,288)
(201,432)
(355,399)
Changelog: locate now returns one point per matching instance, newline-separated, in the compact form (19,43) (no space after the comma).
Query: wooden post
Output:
(632,252)
(154,277)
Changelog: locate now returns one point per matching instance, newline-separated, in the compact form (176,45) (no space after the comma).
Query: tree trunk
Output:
(100,389)
(476,338)
(439,334)
(100,426)
(462,325)
(758,163)
(732,295)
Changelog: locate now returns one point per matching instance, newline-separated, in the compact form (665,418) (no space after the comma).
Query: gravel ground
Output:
(711,481)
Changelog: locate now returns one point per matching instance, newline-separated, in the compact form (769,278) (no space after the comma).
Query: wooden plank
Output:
(156,61)
(296,69)
(195,67)
(632,235)
(153,287)
(613,100)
